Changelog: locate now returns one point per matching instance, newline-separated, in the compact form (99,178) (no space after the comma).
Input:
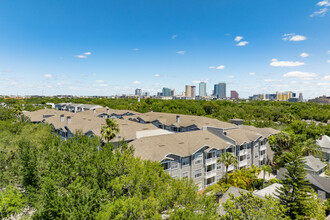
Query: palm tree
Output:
(311,148)
(228,159)
(109,130)
(265,169)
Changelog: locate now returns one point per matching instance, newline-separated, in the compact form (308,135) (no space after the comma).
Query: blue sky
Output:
(94,47)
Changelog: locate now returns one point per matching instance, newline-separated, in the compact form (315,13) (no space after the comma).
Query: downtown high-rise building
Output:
(188,91)
(202,89)
(193,92)
(167,92)
(222,90)
(233,94)
(138,92)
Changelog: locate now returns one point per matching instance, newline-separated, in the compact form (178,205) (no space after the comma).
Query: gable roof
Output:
(38,116)
(324,142)
(185,120)
(156,148)
(268,191)
(321,182)
(241,135)
(232,190)
(314,163)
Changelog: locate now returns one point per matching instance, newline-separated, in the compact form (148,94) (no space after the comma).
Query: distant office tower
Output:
(222,90)
(233,94)
(138,92)
(283,96)
(173,92)
(202,89)
(216,90)
(300,97)
(145,94)
(188,91)
(166,92)
(193,92)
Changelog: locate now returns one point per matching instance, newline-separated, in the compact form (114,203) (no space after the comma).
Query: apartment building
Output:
(187,146)
(72,107)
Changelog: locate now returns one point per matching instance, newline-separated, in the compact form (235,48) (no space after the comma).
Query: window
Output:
(198,173)
(174,164)
(248,156)
(198,158)
(166,165)
(185,161)
(175,177)
(218,166)
(219,152)
(185,175)
(256,154)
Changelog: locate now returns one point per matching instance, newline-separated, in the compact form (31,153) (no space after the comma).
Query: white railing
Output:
(262,157)
(211,160)
(230,168)
(242,152)
(242,163)
(210,184)
(210,174)
(262,147)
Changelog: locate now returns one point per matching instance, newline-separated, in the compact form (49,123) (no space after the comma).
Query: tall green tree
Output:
(110,130)
(228,159)
(247,206)
(295,188)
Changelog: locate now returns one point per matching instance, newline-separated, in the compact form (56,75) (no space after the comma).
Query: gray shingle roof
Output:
(315,163)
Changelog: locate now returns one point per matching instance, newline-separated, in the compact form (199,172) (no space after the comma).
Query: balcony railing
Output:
(242,152)
(210,174)
(210,184)
(262,147)
(262,157)
(230,168)
(211,160)
(242,163)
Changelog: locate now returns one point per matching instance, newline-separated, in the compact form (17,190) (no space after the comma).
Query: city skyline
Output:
(111,48)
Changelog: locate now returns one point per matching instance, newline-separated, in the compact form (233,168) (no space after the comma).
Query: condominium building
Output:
(187,146)
(138,92)
(222,90)
(233,94)
(166,92)
(202,89)
(283,96)
(188,91)
(193,92)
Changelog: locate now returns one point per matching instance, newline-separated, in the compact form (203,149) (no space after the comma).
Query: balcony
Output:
(210,184)
(211,161)
(242,163)
(210,174)
(230,168)
(242,152)
(262,147)
(262,157)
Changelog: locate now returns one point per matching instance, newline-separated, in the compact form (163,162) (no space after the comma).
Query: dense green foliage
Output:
(250,207)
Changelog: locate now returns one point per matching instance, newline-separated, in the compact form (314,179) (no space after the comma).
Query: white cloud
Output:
(252,74)
(242,43)
(181,52)
(48,75)
(157,75)
(196,81)
(87,53)
(94,74)
(320,12)
(230,77)
(324,3)
(99,81)
(238,38)
(323,84)
(136,49)
(326,77)
(277,63)
(220,67)
(300,74)
(81,56)
(212,67)
(174,36)
(303,55)
(103,85)
(272,80)
(136,82)
(293,37)
(328,61)
(328,51)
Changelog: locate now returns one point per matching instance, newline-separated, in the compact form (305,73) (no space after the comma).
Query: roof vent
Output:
(181,143)
(207,139)
(161,145)
(61,118)
(108,111)
(68,119)
(178,119)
